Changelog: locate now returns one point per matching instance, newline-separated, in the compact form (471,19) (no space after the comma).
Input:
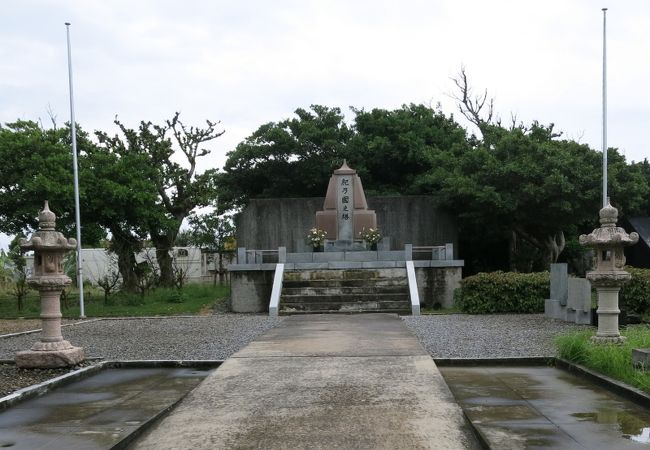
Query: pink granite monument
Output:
(48,278)
(345,211)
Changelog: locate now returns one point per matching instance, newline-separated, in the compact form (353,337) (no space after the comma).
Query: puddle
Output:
(630,426)
(507,403)
(96,412)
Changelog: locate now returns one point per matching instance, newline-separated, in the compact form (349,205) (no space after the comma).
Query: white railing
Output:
(274,304)
(413,288)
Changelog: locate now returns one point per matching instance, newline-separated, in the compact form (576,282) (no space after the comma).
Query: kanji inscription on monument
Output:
(344,207)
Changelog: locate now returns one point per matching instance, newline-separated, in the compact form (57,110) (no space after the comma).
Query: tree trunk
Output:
(125,247)
(165,262)
(554,246)
(512,251)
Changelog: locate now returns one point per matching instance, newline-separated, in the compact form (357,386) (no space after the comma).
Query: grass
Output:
(192,299)
(609,359)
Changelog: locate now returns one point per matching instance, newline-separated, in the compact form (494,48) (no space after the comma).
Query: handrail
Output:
(274,303)
(413,288)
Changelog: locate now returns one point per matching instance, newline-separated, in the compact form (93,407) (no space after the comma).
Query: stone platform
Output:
(320,382)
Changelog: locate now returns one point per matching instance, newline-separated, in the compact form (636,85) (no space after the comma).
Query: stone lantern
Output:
(608,276)
(49,280)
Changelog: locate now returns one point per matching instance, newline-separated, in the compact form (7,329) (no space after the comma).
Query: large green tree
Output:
(291,158)
(37,166)
(178,186)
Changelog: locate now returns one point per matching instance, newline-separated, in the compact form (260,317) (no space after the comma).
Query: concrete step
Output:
(368,306)
(337,290)
(396,281)
(339,298)
(341,274)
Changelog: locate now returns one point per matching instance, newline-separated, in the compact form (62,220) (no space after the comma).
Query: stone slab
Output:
(641,358)
(559,282)
(310,383)
(30,359)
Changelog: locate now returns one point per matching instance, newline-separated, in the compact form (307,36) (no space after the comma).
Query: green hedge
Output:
(635,294)
(503,292)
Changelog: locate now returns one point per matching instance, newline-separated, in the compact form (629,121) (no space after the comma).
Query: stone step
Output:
(369,306)
(340,298)
(369,282)
(347,290)
(341,274)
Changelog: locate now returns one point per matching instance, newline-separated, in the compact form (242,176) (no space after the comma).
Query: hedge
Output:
(503,292)
(635,294)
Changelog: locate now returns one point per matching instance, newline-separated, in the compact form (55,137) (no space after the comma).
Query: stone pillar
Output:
(48,278)
(608,276)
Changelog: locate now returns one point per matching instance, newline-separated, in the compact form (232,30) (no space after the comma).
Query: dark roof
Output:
(642,226)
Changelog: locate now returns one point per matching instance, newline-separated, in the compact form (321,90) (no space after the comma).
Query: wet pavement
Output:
(321,382)
(544,408)
(98,412)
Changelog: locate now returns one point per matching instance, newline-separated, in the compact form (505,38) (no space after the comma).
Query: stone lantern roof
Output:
(47,239)
(608,234)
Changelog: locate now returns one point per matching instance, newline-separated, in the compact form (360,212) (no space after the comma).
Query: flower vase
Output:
(373,247)
(318,248)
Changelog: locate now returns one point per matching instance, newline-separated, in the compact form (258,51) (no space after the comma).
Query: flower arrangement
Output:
(371,235)
(316,237)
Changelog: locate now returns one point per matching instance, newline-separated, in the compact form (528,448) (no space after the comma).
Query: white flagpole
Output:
(605,201)
(80,280)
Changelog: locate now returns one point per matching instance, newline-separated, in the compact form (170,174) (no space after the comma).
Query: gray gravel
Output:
(200,337)
(488,336)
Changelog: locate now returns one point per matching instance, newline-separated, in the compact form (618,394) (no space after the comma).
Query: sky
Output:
(246,63)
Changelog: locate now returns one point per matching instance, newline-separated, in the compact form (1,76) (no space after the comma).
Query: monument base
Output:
(49,359)
(607,339)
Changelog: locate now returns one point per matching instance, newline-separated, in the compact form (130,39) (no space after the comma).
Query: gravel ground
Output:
(488,336)
(219,336)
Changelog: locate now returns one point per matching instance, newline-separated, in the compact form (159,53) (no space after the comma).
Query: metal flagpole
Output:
(605,201)
(80,280)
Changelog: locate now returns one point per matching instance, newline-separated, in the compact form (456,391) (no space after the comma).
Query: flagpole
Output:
(605,200)
(73,130)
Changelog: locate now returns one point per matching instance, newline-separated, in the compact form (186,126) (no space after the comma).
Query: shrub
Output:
(503,292)
(635,294)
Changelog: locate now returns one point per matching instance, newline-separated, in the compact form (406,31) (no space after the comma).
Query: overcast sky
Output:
(246,63)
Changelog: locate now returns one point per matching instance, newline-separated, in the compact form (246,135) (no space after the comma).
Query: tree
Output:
(213,232)
(37,166)
(392,150)
(178,186)
(20,272)
(294,157)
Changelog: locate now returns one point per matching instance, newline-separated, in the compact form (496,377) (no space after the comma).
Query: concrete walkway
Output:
(321,382)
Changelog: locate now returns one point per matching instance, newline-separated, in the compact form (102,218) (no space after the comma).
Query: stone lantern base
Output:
(65,356)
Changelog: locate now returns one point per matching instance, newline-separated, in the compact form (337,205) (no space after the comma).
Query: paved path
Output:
(321,382)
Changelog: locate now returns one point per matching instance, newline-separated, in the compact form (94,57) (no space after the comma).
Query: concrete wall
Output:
(436,285)
(250,291)
(273,223)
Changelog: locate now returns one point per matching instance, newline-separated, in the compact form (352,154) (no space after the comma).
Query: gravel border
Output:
(488,335)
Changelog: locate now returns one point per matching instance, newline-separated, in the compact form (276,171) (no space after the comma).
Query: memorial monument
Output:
(345,211)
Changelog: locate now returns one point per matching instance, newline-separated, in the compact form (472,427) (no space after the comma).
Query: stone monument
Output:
(608,276)
(48,278)
(345,210)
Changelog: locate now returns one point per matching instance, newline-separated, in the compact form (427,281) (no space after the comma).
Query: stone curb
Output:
(515,361)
